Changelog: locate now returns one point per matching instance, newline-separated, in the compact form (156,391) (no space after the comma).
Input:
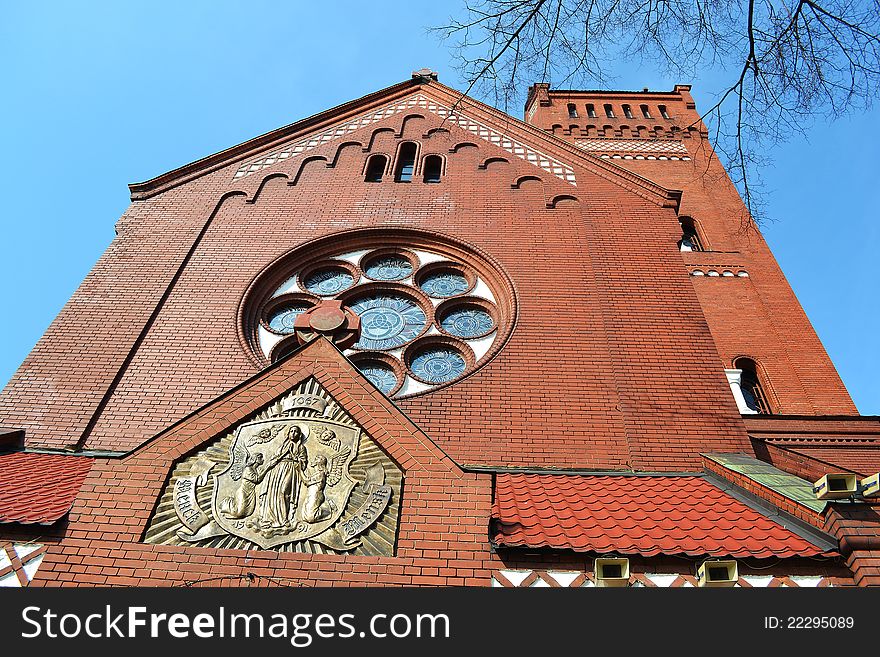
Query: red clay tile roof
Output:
(635,515)
(39,488)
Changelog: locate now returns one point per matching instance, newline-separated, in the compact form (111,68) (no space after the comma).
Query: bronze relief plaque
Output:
(300,476)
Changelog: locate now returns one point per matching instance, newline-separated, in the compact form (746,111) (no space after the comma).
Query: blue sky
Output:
(101,94)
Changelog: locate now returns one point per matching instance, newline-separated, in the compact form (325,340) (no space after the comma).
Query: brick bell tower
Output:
(360,342)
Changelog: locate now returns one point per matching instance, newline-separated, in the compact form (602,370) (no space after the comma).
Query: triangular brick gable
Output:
(533,145)
(440,503)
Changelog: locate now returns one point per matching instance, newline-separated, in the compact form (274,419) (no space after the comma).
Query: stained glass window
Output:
(438,364)
(283,318)
(444,284)
(380,374)
(467,322)
(388,321)
(327,281)
(388,294)
(388,268)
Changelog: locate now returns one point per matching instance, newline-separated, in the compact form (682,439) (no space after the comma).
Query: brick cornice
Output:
(850,543)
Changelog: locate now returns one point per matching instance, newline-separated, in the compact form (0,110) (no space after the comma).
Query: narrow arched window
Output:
(609,111)
(591,110)
(750,384)
(375,168)
(406,162)
(663,111)
(645,112)
(690,238)
(433,168)
(572,111)
(627,112)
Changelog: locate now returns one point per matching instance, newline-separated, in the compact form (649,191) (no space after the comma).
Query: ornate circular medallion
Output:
(438,364)
(328,280)
(283,318)
(380,375)
(388,268)
(467,322)
(326,318)
(388,321)
(444,284)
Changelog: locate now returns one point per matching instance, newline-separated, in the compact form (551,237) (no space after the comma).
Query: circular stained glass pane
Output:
(380,374)
(467,322)
(283,318)
(327,281)
(444,284)
(388,321)
(389,268)
(438,364)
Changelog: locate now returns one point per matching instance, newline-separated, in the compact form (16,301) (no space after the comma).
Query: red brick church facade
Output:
(412,340)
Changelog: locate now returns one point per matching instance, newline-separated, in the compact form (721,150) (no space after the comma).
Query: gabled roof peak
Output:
(451,102)
(425,75)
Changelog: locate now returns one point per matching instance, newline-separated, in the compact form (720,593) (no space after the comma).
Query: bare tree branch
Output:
(794,59)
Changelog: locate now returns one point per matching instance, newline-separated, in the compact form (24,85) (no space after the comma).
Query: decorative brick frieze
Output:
(417,101)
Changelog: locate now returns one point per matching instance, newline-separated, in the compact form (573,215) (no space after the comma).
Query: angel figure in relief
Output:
(318,475)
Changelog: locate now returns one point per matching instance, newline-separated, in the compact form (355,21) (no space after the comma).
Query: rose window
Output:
(430,312)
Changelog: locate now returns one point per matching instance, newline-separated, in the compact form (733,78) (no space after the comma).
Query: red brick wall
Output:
(60,385)
(611,363)
(789,461)
(862,460)
(760,316)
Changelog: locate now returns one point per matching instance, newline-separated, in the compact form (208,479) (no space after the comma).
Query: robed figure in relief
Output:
(280,491)
(287,480)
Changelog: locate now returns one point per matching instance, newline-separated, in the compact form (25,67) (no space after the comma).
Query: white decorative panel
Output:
(632,146)
(516,577)
(503,141)
(19,563)
(565,578)
(9,580)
